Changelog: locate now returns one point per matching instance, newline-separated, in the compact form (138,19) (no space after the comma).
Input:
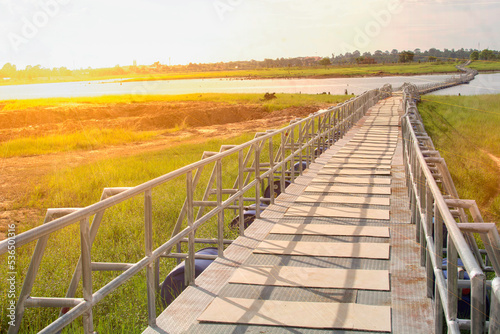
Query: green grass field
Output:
(89,139)
(465,129)
(120,238)
(485,65)
(313,72)
(283,100)
(335,71)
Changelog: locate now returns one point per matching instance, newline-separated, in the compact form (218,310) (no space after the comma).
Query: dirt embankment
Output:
(193,121)
(136,116)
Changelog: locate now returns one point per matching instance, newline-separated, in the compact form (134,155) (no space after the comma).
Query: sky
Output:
(104,33)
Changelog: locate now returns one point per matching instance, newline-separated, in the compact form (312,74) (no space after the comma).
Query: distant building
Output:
(135,62)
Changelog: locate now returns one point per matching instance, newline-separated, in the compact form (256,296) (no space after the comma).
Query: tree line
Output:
(378,57)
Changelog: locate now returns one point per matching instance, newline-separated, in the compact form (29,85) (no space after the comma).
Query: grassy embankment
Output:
(95,138)
(336,71)
(283,100)
(485,65)
(313,72)
(465,131)
(121,235)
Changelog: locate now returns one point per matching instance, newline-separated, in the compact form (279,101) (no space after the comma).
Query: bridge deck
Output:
(334,254)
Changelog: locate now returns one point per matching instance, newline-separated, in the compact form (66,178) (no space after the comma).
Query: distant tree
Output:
(486,55)
(325,61)
(365,60)
(118,70)
(434,52)
(474,55)
(406,57)
(432,58)
(8,70)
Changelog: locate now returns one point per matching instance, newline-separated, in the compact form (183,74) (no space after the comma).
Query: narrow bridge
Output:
(367,234)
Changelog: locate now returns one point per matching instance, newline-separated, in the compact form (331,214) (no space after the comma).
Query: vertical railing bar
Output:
(182,214)
(308,148)
(88,326)
(428,263)
(301,147)
(150,269)
(189,276)
(96,222)
(259,181)
(495,306)
(438,256)
(271,167)
(220,215)
(241,166)
(283,158)
(477,302)
(452,279)
(292,150)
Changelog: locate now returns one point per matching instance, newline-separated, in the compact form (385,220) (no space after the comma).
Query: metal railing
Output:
(444,232)
(256,161)
(468,75)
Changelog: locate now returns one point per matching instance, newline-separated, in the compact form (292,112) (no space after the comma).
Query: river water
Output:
(483,84)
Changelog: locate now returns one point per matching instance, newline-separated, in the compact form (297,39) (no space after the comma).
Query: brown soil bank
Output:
(137,116)
(195,121)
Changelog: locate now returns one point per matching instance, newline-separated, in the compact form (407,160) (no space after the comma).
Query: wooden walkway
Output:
(334,254)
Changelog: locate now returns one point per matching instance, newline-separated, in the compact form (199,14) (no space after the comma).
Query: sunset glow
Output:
(106,33)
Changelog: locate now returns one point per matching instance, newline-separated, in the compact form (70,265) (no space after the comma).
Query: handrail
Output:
(317,131)
(415,90)
(431,213)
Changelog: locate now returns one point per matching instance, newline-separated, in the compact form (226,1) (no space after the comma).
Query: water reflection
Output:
(483,84)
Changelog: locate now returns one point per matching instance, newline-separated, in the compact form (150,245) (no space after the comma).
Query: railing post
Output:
(292,149)
(329,129)
(477,313)
(240,187)
(257,178)
(283,157)
(495,306)
(189,273)
(438,256)
(312,137)
(309,150)
(301,146)
(88,326)
(271,167)
(452,279)
(150,269)
(220,215)
(428,263)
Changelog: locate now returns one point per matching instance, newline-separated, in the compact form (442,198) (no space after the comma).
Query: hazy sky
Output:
(102,33)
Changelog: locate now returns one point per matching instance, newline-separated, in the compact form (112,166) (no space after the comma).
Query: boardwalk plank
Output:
(331,278)
(349,189)
(345,212)
(331,229)
(352,171)
(299,314)
(364,250)
(346,179)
